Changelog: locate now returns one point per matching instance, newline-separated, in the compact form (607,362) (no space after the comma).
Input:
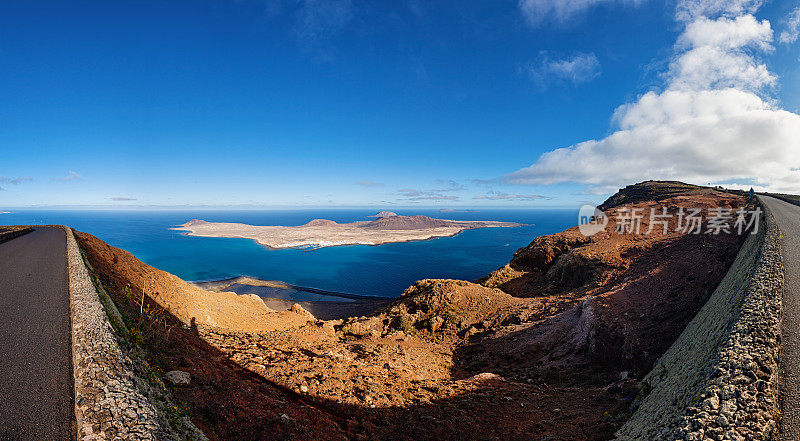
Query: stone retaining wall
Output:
(719,379)
(8,235)
(785,198)
(109,402)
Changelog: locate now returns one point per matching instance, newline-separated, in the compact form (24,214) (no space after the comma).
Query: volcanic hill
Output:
(551,346)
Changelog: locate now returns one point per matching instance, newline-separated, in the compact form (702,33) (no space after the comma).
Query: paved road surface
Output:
(788,218)
(35,344)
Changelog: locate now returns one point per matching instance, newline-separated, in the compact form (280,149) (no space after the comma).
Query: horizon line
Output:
(275,207)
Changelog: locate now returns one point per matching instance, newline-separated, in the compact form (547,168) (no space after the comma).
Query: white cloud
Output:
(71,176)
(715,55)
(537,12)
(122,198)
(689,10)
(710,67)
(16,181)
(580,68)
(442,193)
(708,136)
(727,33)
(411,194)
(792,31)
(368,183)
(448,185)
(708,124)
(500,196)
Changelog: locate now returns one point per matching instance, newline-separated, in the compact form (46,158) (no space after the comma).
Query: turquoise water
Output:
(371,270)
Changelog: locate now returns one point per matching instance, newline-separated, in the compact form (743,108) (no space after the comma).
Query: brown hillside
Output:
(406,223)
(551,346)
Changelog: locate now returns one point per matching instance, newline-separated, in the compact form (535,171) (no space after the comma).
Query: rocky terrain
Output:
(387,227)
(281,296)
(551,346)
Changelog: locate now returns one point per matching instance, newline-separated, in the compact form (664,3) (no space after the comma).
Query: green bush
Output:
(451,318)
(405,323)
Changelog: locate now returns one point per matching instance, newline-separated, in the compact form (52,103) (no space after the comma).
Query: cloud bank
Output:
(792,31)
(713,121)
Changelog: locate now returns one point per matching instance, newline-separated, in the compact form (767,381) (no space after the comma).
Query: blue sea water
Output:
(384,270)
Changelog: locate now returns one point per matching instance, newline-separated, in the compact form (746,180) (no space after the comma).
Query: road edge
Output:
(719,378)
(108,403)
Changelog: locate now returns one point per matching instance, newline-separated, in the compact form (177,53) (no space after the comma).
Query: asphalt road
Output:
(36,384)
(788,218)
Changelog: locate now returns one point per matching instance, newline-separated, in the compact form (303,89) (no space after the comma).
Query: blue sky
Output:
(351,103)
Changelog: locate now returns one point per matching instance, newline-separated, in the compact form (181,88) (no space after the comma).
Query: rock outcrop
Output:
(651,191)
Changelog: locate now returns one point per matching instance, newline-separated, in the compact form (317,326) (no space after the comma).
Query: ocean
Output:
(384,270)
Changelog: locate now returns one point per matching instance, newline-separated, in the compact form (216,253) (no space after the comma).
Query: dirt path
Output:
(788,218)
(35,350)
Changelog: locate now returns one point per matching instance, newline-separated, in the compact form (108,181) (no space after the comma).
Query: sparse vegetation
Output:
(141,337)
(451,318)
(405,322)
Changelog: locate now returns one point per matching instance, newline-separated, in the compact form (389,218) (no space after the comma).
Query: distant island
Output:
(387,227)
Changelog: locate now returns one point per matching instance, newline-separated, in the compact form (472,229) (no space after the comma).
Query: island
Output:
(387,227)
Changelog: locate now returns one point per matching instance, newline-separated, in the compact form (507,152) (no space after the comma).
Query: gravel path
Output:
(788,218)
(35,350)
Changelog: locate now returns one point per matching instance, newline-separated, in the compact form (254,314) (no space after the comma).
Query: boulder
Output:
(362,327)
(178,378)
(298,309)
(435,323)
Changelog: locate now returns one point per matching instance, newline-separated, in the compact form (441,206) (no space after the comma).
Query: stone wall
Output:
(13,232)
(111,400)
(719,379)
(795,200)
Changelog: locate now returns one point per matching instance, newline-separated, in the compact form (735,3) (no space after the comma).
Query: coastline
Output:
(222,284)
(321,233)
(281,296)
(317,246)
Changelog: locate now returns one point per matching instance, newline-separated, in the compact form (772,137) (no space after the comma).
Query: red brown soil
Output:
(407,223)
(547,347)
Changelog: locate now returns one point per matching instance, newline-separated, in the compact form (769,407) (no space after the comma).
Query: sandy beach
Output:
(280,296)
